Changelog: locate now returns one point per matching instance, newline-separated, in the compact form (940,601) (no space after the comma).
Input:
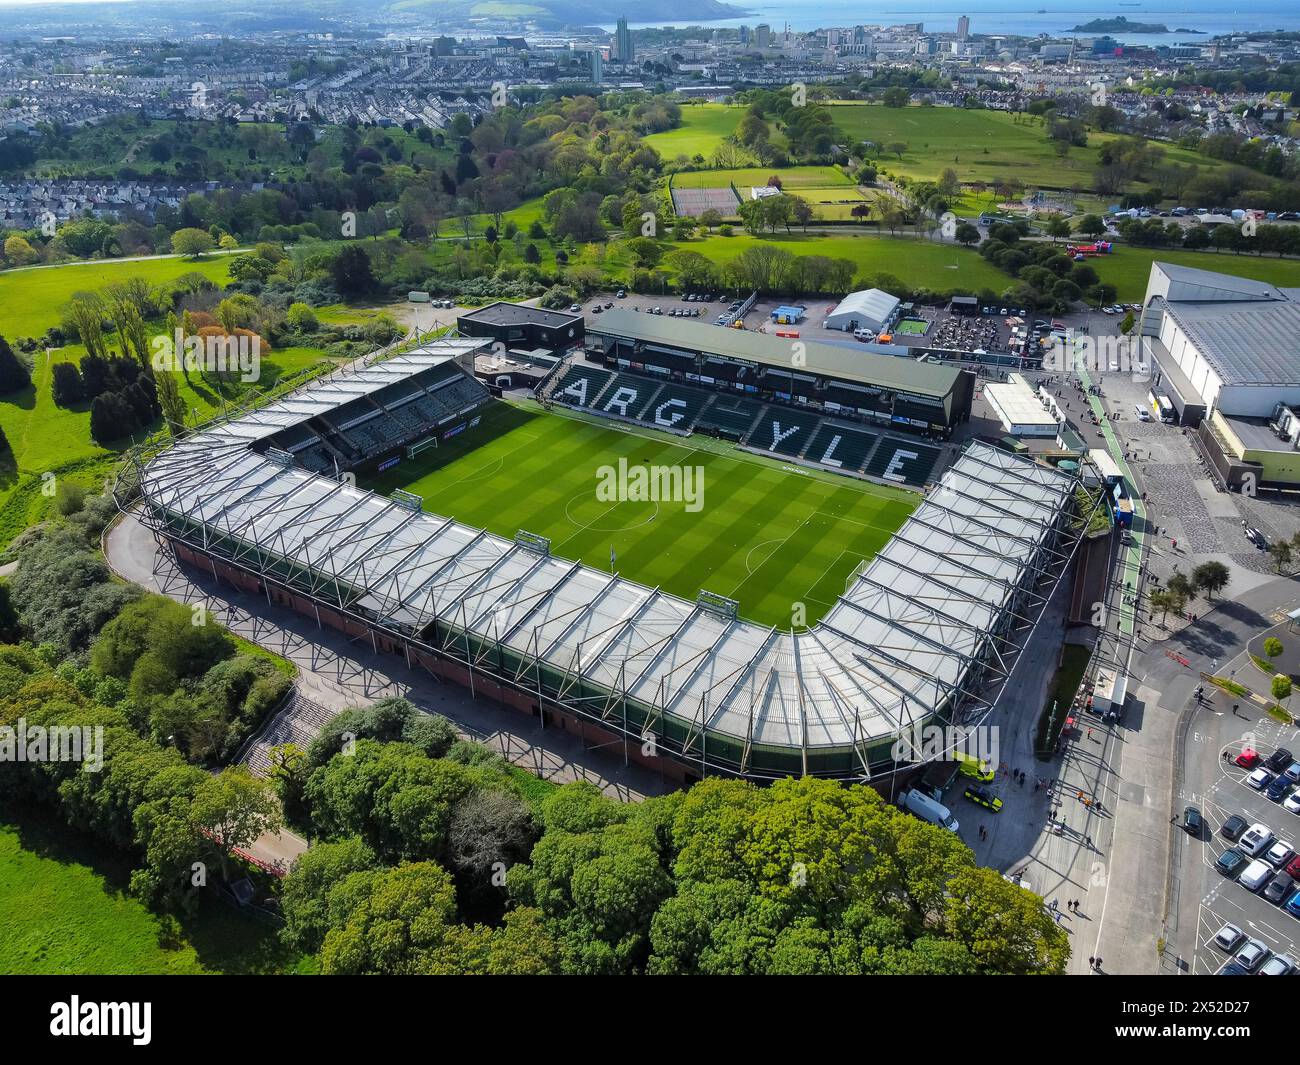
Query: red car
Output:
(1293,867)
(1248,759)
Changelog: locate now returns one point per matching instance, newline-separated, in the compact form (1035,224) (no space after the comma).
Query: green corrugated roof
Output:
(844,363)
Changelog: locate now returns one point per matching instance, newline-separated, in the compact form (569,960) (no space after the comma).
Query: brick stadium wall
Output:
(520,699)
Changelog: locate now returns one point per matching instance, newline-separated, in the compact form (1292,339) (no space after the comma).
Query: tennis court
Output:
(691,203)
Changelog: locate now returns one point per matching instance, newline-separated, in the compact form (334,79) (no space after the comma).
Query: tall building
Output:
(744,34)
(597,66)
(963,27)
(763,35)
(623,42)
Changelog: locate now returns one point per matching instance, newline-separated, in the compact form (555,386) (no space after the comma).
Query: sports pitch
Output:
(765,534)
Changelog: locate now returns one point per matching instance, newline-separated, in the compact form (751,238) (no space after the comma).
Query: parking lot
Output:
(1224,792)
(992,332)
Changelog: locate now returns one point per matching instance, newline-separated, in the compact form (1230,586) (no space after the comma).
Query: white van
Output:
(1143,415)
(927,809)
(1257,874)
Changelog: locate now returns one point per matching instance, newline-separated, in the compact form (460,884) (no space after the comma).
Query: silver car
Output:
(1251,955)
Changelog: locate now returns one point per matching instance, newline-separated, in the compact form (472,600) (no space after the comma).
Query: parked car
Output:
(1255,875)
(1251,955)
(1260,778)
(1277,965)
(1279,887)
(1278,789)
(1292,803)
(981,796)
(1231,862)
(1278,760)
(1292,906)
(1293,866)
(1233,827)
(1227,937)
(1248,758)
(1193,824)
(1231,968)
(621,294)
(1256,840)
(1279,853)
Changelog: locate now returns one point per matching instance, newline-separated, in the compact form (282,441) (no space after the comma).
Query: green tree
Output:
(1211,578)
(232,809)
(304,898)
(1280,550)
(1058,228)
(1167,599)
(1092,225)
(191,242)
(14,375)
(173,404)
(1281,688)
(1273,647)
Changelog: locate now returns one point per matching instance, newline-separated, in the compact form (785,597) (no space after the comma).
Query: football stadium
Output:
(793,610)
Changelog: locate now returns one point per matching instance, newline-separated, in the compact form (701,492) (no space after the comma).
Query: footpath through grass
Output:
(765,534)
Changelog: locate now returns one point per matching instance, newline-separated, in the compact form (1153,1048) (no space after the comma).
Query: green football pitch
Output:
(768,535)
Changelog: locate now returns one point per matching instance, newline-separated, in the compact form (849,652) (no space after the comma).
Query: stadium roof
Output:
(873,304)
(898,647)
(330,393)
(1201,285)
(502,313)
(829,360)
(1247,342)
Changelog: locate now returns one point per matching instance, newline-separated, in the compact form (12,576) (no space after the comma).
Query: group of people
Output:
(966,334)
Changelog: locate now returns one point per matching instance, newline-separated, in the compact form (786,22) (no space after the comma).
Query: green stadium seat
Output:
(784,431)
(840,447)
(581,385)
(903,461)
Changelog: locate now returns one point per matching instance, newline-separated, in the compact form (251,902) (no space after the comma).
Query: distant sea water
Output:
(1022,17)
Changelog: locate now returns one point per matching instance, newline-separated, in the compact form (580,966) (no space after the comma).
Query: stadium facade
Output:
(881,389)
(926,632)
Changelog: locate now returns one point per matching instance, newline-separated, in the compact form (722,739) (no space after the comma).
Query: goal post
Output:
(421,446)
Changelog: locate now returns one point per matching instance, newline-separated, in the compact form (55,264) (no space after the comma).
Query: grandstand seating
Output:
(904,461)
(627,396)
(676,407)
(581,385)
(461,393)
(840,447)
(732,415)
(783,430)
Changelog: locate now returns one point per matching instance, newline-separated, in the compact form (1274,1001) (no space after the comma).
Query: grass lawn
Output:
(981,145)
(703,128)
(33,298)
(918,263)
(764,535)
(68,911)
(44,438)
(1128,268)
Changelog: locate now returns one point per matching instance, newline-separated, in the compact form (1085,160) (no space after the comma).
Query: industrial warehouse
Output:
(1225,358)
(927,631)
